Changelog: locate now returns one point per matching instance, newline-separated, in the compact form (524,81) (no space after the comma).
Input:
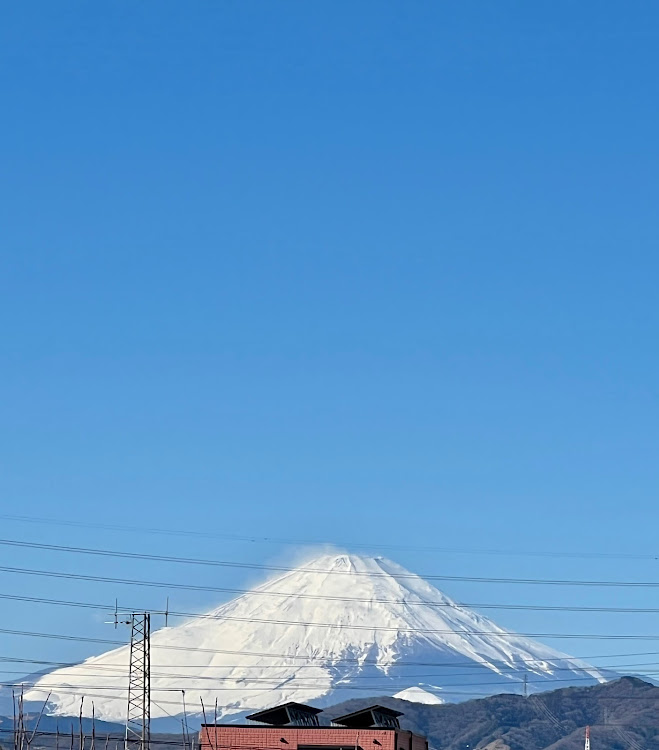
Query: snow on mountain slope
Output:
(418,695)
(339,627)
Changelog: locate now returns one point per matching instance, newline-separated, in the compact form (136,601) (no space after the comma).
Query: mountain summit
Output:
(338,627)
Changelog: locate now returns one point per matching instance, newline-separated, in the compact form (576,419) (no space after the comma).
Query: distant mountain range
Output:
(339,627)
(623,715)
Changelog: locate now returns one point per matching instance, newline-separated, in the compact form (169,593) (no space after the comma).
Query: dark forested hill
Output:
(623,715)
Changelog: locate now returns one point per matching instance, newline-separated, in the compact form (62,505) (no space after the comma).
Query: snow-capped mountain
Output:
(339,627)
(418,695)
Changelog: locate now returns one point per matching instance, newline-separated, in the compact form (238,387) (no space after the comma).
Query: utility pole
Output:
(15,725)
(526,686)
(19,720)
(184,721)
(81,735)
(22,736)
(138,719)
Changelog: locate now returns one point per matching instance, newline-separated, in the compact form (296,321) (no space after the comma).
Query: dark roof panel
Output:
(373,716)
(287,713)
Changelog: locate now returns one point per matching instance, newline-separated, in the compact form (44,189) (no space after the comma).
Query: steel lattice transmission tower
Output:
(138,719)
(587,742)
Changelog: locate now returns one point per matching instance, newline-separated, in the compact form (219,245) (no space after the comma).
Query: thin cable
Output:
(116,671)
(220,589)
(301,683)
(121,695)
(403,680)
(107,641)
(471,663)
(325,543)
(268,621)
(451,605)
(179,743)
(286,569)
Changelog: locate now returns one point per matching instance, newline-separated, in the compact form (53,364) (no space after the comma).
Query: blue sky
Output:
(349,272)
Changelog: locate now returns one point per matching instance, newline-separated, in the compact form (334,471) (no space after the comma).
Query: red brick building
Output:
(294,726)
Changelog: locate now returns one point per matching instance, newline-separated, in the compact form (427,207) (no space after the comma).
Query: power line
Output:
(429,631)
(158,741)
(113,671)
(404,679)
(284,622)
(469,579)
(107,641)
(271,621)
(353,545)
(120,695)
(121,692)
(471,663)
(287,569)
(299,682)
(450,605)
(301,686)
(179,743)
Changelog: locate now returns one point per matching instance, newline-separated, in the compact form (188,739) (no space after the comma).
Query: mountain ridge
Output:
(335,627)
(622,715)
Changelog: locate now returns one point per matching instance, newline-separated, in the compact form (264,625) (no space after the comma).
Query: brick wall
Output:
(290,738)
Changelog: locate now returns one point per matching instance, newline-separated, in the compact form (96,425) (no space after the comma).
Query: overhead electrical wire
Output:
(68,688)
(157,741)
(302,569)
(223,563)
(369,628)
(276,681)
(121,695)
(264,683)
(452,605)
(113,671)
(159,558)
(270,621)
(228,590)
(305,681)
(107,641)
(403,663)
(324,543)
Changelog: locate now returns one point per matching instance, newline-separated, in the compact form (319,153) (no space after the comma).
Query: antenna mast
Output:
(138,719)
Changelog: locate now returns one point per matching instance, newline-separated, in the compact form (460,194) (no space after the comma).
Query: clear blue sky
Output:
(345,271)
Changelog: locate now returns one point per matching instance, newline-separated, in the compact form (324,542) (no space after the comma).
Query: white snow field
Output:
(341,626)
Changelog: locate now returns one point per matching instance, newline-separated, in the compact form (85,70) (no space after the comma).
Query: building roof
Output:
(281,715)
(372,716)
